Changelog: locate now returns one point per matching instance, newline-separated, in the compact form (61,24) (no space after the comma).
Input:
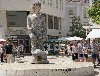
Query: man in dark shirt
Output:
(2,52)
(8,48)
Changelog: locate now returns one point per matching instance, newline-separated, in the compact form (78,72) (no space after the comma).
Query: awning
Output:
(95,33)
(53,40)
(2,40)
(74,38)
(63,39)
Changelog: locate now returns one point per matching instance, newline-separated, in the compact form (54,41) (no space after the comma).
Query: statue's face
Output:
(36,8)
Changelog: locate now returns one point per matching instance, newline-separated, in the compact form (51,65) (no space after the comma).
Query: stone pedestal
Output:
(40,57)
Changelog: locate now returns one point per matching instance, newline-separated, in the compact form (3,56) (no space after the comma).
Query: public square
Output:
(49,37)
(60,64)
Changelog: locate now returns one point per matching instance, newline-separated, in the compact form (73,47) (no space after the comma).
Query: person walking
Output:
(95,53)
(9,48)
(45,47)
(74,51)
(80,51)
(69,50)
(21,48)
(2,49)
(85,50)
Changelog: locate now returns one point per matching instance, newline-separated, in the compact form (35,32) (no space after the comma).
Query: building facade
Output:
(13,17)
(76,8)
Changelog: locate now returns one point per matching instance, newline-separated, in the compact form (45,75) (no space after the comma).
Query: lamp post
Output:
(59,37)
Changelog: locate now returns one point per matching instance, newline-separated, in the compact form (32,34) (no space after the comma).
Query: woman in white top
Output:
(69,49)
(80,51)
(74,52)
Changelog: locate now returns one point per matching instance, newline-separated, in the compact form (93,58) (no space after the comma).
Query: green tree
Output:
(94,11)
(76,29)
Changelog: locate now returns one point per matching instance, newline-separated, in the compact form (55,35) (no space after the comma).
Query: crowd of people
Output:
(9,51)
(81,51)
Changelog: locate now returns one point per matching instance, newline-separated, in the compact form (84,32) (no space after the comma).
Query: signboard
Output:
(20,36)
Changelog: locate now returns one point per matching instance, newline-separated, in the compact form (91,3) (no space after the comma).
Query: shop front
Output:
(22,39)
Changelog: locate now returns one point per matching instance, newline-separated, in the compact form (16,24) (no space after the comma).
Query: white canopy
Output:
(2,40)
(74,38)
(62,39)
(95,33)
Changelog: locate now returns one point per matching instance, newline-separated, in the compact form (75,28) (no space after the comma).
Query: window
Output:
(11,19)
(86,1)
(56,3)
(50,2)
(16,19)
(68,1)
(60,23)
(12,23)
(70,13)
(56,23)
(60,4)
(85,14)
(50,22)
(43,1)
(44,17)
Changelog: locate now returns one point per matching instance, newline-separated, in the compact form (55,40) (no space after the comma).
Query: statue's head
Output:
(36,7)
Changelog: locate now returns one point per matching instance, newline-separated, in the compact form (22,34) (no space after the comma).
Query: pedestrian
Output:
(2,52)
(74,52)
(69,50)
(45,47)
(80,51)
(15,50)
(20,50)
(95,53)
(9,48)
(85,50)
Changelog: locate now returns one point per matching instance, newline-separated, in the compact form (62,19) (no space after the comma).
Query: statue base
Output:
(40,57)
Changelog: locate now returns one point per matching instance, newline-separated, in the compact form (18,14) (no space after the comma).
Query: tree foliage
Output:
(76,29)
(94,11)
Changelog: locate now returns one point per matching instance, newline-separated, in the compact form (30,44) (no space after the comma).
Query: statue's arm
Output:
(28,22)
(43,22)
(29,25)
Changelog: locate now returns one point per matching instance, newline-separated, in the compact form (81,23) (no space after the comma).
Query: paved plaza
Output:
(59,64)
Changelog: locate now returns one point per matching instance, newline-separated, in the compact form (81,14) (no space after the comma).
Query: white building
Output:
(13,14)
(77,8)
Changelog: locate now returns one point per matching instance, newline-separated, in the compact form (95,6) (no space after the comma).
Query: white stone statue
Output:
(37,32)
(36,27)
